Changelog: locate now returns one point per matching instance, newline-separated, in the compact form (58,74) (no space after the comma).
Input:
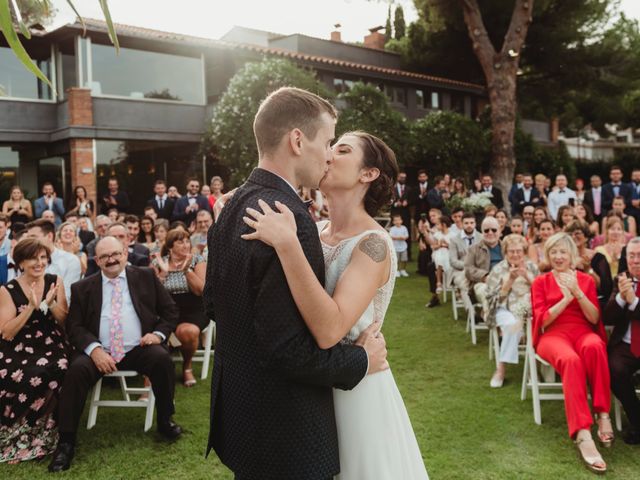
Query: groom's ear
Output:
(295,141)
(369,175)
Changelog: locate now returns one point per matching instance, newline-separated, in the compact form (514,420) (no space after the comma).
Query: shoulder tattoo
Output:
(374,247)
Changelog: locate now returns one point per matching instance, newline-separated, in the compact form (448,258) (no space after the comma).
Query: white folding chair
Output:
(539,388)
(617,408)
(204,354)
(473,328)
(456,302)
(127,391)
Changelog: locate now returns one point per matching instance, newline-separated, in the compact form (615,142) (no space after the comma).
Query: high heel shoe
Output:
(605,437)
(594,463)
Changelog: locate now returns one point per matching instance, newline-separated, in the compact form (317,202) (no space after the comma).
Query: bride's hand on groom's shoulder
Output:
(374,344)
(275,228)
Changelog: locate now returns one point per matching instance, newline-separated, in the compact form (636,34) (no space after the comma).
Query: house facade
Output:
(140,115)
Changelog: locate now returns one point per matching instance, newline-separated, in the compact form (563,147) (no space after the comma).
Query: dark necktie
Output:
(635,331)
(161,204)
(470,240)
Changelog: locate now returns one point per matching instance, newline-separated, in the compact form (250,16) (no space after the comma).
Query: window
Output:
(341,85)
(397,95)
(17,82)
(457,103)
(142,74)
(9,162)
(435,101)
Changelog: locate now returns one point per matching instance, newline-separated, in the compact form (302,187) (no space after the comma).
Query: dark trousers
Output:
(153,361)
(622,365)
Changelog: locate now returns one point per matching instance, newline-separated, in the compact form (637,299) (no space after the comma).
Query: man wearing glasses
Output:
(118,320)
(482,257)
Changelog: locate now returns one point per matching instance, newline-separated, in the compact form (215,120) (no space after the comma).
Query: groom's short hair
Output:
(285,109)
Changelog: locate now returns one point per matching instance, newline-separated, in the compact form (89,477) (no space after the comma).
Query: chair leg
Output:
(617,414)
(148,418)
(454,305)
(124,389)
(93,407)
(525,378)
(535,392)
(472,325)
(208,339)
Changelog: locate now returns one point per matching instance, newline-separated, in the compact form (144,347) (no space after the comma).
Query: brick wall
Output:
(82,163)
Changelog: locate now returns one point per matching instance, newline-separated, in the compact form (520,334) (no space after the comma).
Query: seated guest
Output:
(133,232)
(428,230)
(120,231)
(160,231)
(567,333)
(490,211)
(583,212)
(566,215)
(5,241)
(509,298)
(527,218)
(101,224)
(84,233)
(536,249)
(516,225)
(624,344)
(591,262)
(503,222)
(151,213)
(481,258)
(457,253)
(456,221)
(614,242)
(113,214)
(67,239)
(628,222)
(183,274)
(146,236)
(204,220)
(64,264)
(33,355)
(109,334)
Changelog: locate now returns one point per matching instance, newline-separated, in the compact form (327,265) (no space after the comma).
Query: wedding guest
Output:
(536,249)
(614,242)
(540,182)
(100,229)
(428,230)
(539,215)
(516,225)
(33,354)
(509,299)
(615,188)
(205,191)
(437,195)
(593,197)
(217,187)
(635,194)
(527,220)
(5,241)
(113,215)
(151,213)
(63,264)
(459,188)
(456,221)
(401,205)
(138,253)
(115,198)
(399,234)
(458,252)
(618,207)
(109,334)
(173,192)
(160,231)
(440,247)
(17,208)
(49,216)
(568,333)
(183,274)
(515,186)
(186,208)
(204,220)
(490,211)
(132,223)
(420,195)
(566,215)
(482,257)
(49,201)
(527,195)
(562,195)
(503,222)
(624,343)
(67,239)
(80,204)
(162,203)
(496,193)
(591,262)
(583,212)
(580,191)
(146,236)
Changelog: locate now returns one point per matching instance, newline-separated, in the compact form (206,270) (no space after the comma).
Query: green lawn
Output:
(465,429)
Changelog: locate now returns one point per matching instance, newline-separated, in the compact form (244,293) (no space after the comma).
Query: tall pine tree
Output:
(399,25)
(387,26)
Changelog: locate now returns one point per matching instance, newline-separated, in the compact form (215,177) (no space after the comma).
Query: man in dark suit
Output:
(420,196)
(527,195)
(402,205)
(49,201)
(271,391)
(115,198)
(137,254)
(187,206)
(616,188)
(161,202)
(118,320)
(623,312)
(593,198)
(487,186)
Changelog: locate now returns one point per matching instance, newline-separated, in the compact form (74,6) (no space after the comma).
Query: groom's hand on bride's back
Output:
(373,343)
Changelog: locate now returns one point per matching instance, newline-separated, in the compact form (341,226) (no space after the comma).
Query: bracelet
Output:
(580,297)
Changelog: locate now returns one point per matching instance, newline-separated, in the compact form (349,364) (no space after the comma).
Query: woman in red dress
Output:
(568,333)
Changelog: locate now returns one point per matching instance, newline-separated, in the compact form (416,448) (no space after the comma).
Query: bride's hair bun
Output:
(377,154)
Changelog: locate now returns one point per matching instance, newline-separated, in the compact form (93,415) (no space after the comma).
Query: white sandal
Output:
(596,464)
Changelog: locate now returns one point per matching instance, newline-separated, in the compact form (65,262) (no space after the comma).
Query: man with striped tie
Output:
(118,320)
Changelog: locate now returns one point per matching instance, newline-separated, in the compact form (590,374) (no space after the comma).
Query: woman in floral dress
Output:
(33,357)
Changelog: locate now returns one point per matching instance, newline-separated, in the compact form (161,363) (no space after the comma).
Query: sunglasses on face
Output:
(492,230)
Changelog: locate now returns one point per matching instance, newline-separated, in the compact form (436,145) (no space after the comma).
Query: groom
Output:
(272,411)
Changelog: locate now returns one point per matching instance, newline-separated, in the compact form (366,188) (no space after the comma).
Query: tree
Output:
(34,12)
(367,108)
(230,132)
(399,24)
(387,26)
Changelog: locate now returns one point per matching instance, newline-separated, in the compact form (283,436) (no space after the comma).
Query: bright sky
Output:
(213,18)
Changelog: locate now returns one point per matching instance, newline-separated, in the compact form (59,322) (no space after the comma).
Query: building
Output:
(139,115)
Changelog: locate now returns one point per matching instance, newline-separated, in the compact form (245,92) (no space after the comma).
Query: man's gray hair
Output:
(633,241)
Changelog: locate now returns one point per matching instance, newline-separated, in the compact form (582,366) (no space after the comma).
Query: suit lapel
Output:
(94,291)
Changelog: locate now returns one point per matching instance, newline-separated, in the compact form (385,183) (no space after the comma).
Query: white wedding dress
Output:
(375,437)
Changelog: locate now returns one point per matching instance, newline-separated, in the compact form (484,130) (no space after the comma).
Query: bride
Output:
(375,436)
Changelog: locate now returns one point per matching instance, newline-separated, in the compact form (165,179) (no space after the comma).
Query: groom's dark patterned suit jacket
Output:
(272,411)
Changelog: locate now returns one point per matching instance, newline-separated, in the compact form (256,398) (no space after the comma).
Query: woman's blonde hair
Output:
(512,239)
(609,222)
(59,231)
(561,238)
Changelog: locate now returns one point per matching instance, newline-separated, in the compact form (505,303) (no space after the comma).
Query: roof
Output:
(147,33)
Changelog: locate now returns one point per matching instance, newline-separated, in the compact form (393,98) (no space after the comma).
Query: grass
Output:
(465,429)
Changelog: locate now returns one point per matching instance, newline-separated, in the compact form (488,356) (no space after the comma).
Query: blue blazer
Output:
(3,269)
(182,204)
(58,208)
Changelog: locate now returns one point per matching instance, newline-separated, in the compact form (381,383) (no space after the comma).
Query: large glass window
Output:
(17,82)
(142,74)
(9,162)
(138,164)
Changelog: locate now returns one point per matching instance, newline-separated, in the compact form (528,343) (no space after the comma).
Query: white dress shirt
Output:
(161,200)
(67,266)
(557,199)
(526,193)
